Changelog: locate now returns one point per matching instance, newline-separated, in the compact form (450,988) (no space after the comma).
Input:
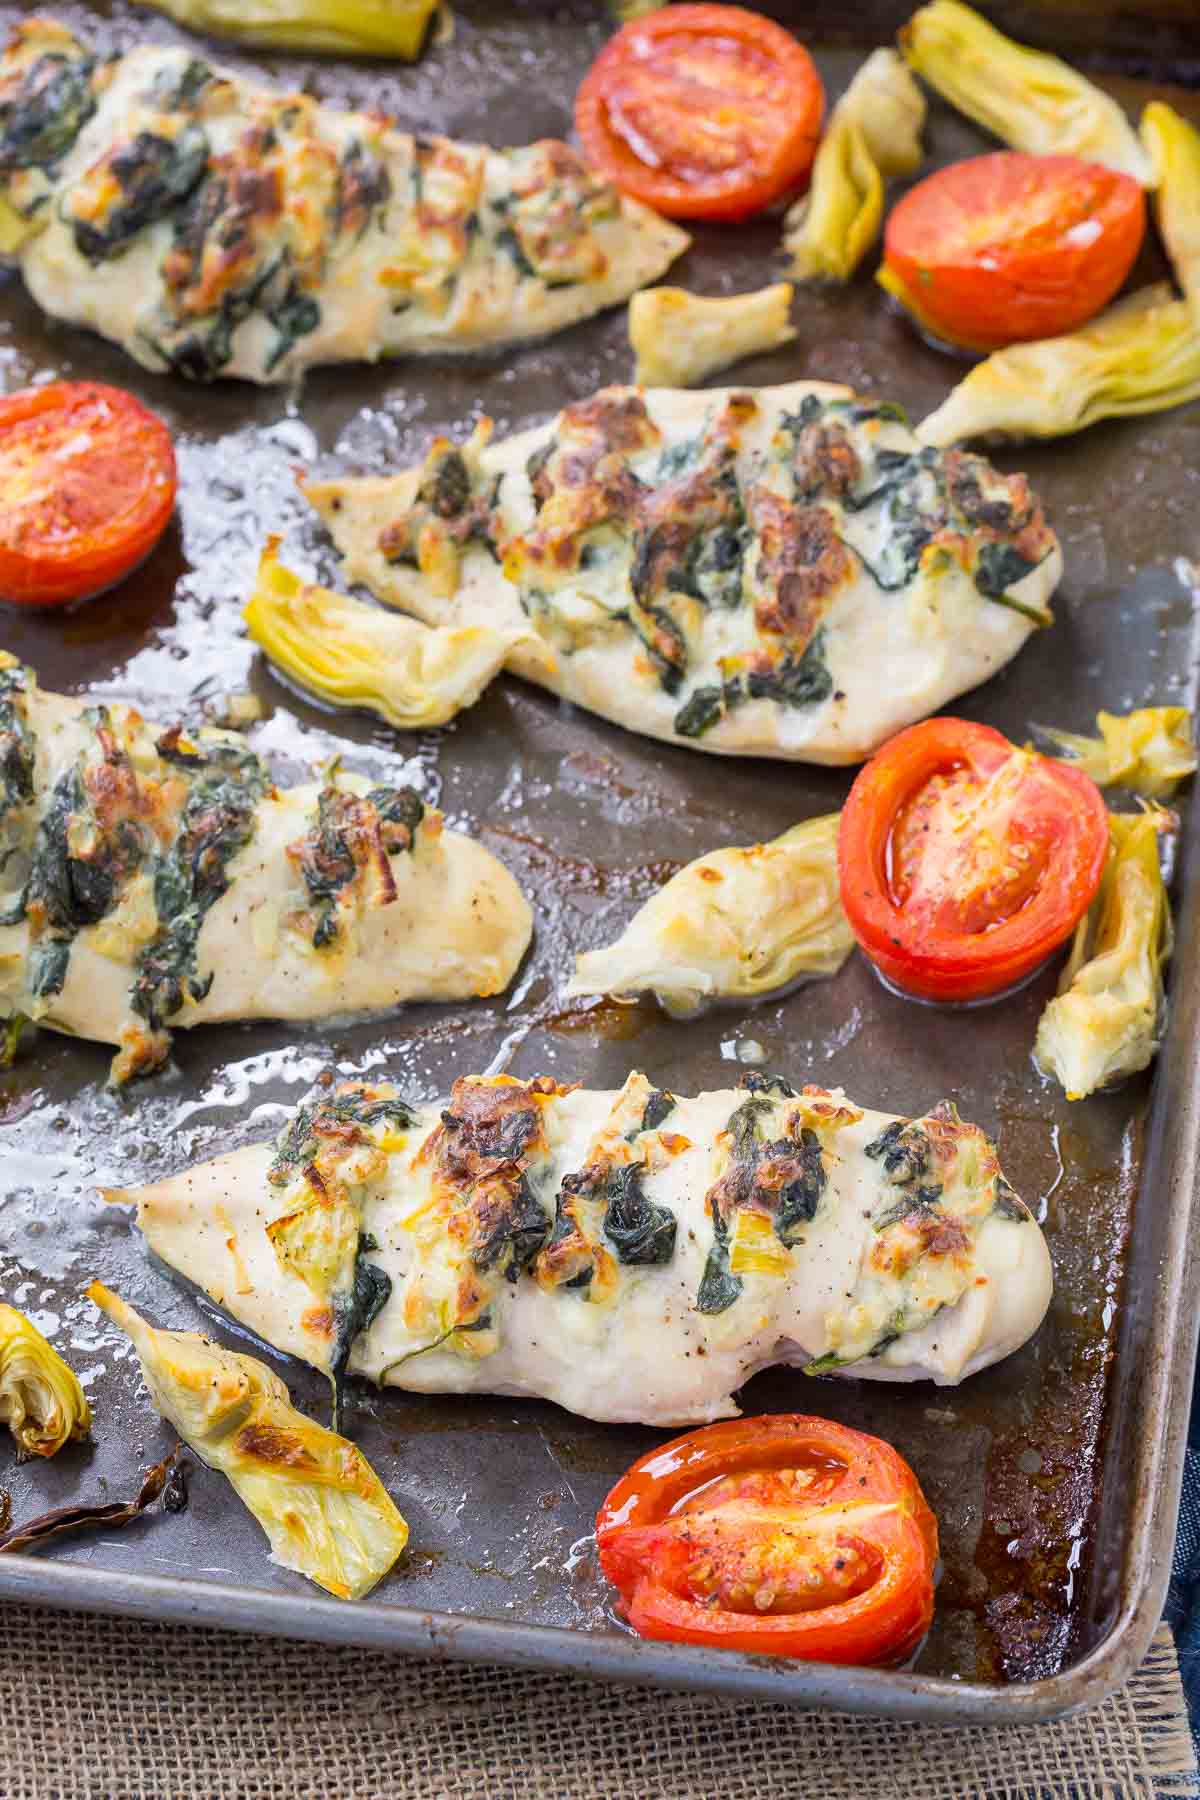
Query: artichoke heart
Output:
(41,1400)
(735,924)
(325,1510)
(874,132)
(1141,356)
(1174,146)
(1030,100)
(679,339)
(1106,1020)
(343,27)
(1149,751)
(351,654)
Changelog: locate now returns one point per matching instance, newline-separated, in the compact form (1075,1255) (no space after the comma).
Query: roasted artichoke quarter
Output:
(345,27)
(680,339)
(350,654)
(41,1400)
(739,924)
(1149,751)
(326,1512)
(1107,1019)
(1031,101)
(875,131)
(1141,356)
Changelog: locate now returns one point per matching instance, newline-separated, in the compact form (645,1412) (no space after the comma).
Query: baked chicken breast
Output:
(216,227)
(152,879)
(784,572)
(633,1256)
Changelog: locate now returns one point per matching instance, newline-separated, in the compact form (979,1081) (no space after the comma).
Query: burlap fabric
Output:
(103,1708)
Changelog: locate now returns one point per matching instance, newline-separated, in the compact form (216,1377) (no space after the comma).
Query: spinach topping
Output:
(904,1150)
(154,175)
(906,1153)
(66,891)
(210,213)
(678,457)
(177,90)
(1008,1204)
(641,1232)
(719,1286)
(357,1311)
(662,641)
(508,241)
(363,185)
(41,121)
(401,808)
(781,1177)
(217,821)
(300,1141)
(796,681)
(17,750)
(293,317)
(658,1107)
(807,413)
(447,486)
(327,858)
(517,1234)
(863,412)
(774,1085)
(704,707)
(1000,567)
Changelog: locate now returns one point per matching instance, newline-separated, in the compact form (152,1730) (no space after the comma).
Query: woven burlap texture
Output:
(93,1707)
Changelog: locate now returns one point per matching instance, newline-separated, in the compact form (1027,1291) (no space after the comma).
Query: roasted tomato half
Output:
(787,1535)
(87,486)
(1007,247)
(964,862)
(704,112)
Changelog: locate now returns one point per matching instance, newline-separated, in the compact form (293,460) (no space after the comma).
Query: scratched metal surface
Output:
(500,1495)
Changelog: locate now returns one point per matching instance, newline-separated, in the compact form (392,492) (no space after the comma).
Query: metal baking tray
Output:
(1056,1475)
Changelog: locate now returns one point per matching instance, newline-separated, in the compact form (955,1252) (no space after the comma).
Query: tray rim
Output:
(1172,1145)
(1171,1165)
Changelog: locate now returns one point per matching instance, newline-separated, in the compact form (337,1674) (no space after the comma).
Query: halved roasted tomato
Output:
(964,862)
(786,1535)
(87,486)
(1007,247)
(703,112)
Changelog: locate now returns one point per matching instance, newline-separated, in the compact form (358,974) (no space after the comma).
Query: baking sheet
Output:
(1054,1475)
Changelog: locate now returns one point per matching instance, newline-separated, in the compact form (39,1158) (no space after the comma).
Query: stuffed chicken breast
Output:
(632,1256)
(215,227)
(153,879)
(783,572)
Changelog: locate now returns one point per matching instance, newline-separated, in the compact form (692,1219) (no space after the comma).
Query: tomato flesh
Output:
(702,111)
(965,862)
(788,1535)
(87,486)
(1009,247)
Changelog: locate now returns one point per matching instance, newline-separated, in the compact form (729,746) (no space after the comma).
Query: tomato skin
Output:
(945,943)
(702,111)
(87,487)
(1009,247)
(708,1500)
